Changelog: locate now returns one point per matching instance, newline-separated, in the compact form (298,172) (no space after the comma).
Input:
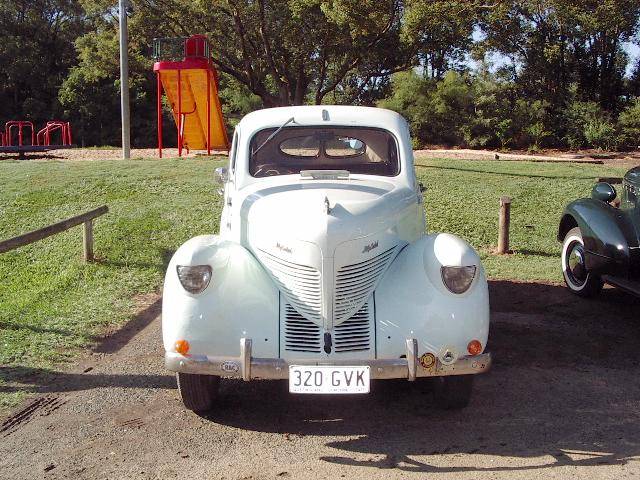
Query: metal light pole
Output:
(124,81)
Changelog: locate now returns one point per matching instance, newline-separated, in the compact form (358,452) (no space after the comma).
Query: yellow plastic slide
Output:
(193,83)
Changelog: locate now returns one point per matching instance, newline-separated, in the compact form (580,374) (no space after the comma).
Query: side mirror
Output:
(422,187)
(221,175)
(604,192)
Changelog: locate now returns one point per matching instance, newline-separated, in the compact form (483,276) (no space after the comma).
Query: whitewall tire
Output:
(578,279)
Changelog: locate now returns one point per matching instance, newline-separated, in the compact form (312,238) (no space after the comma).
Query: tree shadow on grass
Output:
(509,174)
(537,253)
(161,267)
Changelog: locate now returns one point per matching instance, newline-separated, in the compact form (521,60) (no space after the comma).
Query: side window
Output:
(232,153)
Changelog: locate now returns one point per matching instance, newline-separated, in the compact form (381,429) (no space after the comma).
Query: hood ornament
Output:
(327,206)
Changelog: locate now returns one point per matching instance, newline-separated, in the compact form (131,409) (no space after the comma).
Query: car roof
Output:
(324,115)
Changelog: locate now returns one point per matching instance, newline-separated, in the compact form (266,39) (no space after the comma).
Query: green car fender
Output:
(606,232)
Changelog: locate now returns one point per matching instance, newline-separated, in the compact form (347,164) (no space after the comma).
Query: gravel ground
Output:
(563,401)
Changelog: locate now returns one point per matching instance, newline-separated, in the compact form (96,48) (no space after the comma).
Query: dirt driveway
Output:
(563,401)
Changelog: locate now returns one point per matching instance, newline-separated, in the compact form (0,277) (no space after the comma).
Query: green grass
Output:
(52,305)
(462,197)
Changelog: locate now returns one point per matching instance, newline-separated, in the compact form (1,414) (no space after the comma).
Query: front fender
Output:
(606,233)
(412,302)
(240,301)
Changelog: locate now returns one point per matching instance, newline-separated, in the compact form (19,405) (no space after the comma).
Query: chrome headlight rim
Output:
(194,278)
(466,276)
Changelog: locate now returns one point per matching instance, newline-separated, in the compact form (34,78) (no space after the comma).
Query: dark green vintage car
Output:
(600,241)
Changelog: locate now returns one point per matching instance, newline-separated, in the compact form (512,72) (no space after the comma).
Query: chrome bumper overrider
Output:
(249,368)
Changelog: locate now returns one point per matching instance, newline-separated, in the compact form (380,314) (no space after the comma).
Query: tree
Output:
(290,52)
(558,43)
(442,33)
(36,53)
(91,92)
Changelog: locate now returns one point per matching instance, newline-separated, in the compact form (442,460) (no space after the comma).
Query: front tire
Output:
(453,392)
(579,280)
(198,392)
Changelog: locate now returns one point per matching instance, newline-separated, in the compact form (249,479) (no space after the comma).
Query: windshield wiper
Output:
(270,137)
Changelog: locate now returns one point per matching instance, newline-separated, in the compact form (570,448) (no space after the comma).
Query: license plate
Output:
(328,379)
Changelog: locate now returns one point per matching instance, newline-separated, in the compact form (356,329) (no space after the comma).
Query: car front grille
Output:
(353,335)
(300,334)
(300,284)
(355,283)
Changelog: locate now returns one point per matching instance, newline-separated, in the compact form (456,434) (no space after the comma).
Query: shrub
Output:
(580,116)
(629,126)
(600,133)
(436,112)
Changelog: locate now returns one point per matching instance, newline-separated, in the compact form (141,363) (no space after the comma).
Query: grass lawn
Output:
(52,304)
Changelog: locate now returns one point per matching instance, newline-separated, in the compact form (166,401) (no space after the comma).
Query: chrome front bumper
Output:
(249,368)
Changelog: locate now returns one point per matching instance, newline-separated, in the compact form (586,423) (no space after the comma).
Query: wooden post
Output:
(505,221)
(87,241)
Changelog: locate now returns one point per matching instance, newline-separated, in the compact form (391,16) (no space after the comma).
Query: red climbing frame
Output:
(44,135)
(20,125)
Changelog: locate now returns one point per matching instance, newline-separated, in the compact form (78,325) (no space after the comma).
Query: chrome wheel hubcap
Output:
(576,268)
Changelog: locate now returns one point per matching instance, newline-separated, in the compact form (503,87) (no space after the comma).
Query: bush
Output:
(629,126)
(600,133)
(436,111)
(491,124)
(580,117)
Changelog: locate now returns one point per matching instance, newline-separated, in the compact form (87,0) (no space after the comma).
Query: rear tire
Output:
(452,392)
(579,280)
(198,392)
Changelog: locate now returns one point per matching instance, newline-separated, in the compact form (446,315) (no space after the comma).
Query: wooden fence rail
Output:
(87,236)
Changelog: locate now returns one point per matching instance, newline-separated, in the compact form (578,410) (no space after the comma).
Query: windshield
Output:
(368,151)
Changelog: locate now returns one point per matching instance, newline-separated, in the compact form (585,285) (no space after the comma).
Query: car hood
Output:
(306,234)
(323,213)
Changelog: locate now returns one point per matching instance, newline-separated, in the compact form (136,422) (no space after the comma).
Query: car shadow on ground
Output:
(43,381)
(564,391)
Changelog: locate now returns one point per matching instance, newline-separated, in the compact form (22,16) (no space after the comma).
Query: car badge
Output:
(371,246)
(283,248)
(427,360)
(229,367)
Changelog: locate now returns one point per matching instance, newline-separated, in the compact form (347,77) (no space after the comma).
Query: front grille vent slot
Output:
(356,282)
(300,334)
(354,335)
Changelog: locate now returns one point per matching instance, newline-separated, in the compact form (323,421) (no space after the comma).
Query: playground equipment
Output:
(44,135)
(19,125)
(39,143)
(190,81)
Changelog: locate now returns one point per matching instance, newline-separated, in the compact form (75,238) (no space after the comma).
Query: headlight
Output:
(458,279)
(195,278)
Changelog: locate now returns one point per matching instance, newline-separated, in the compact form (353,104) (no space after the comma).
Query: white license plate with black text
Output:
(328,379)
